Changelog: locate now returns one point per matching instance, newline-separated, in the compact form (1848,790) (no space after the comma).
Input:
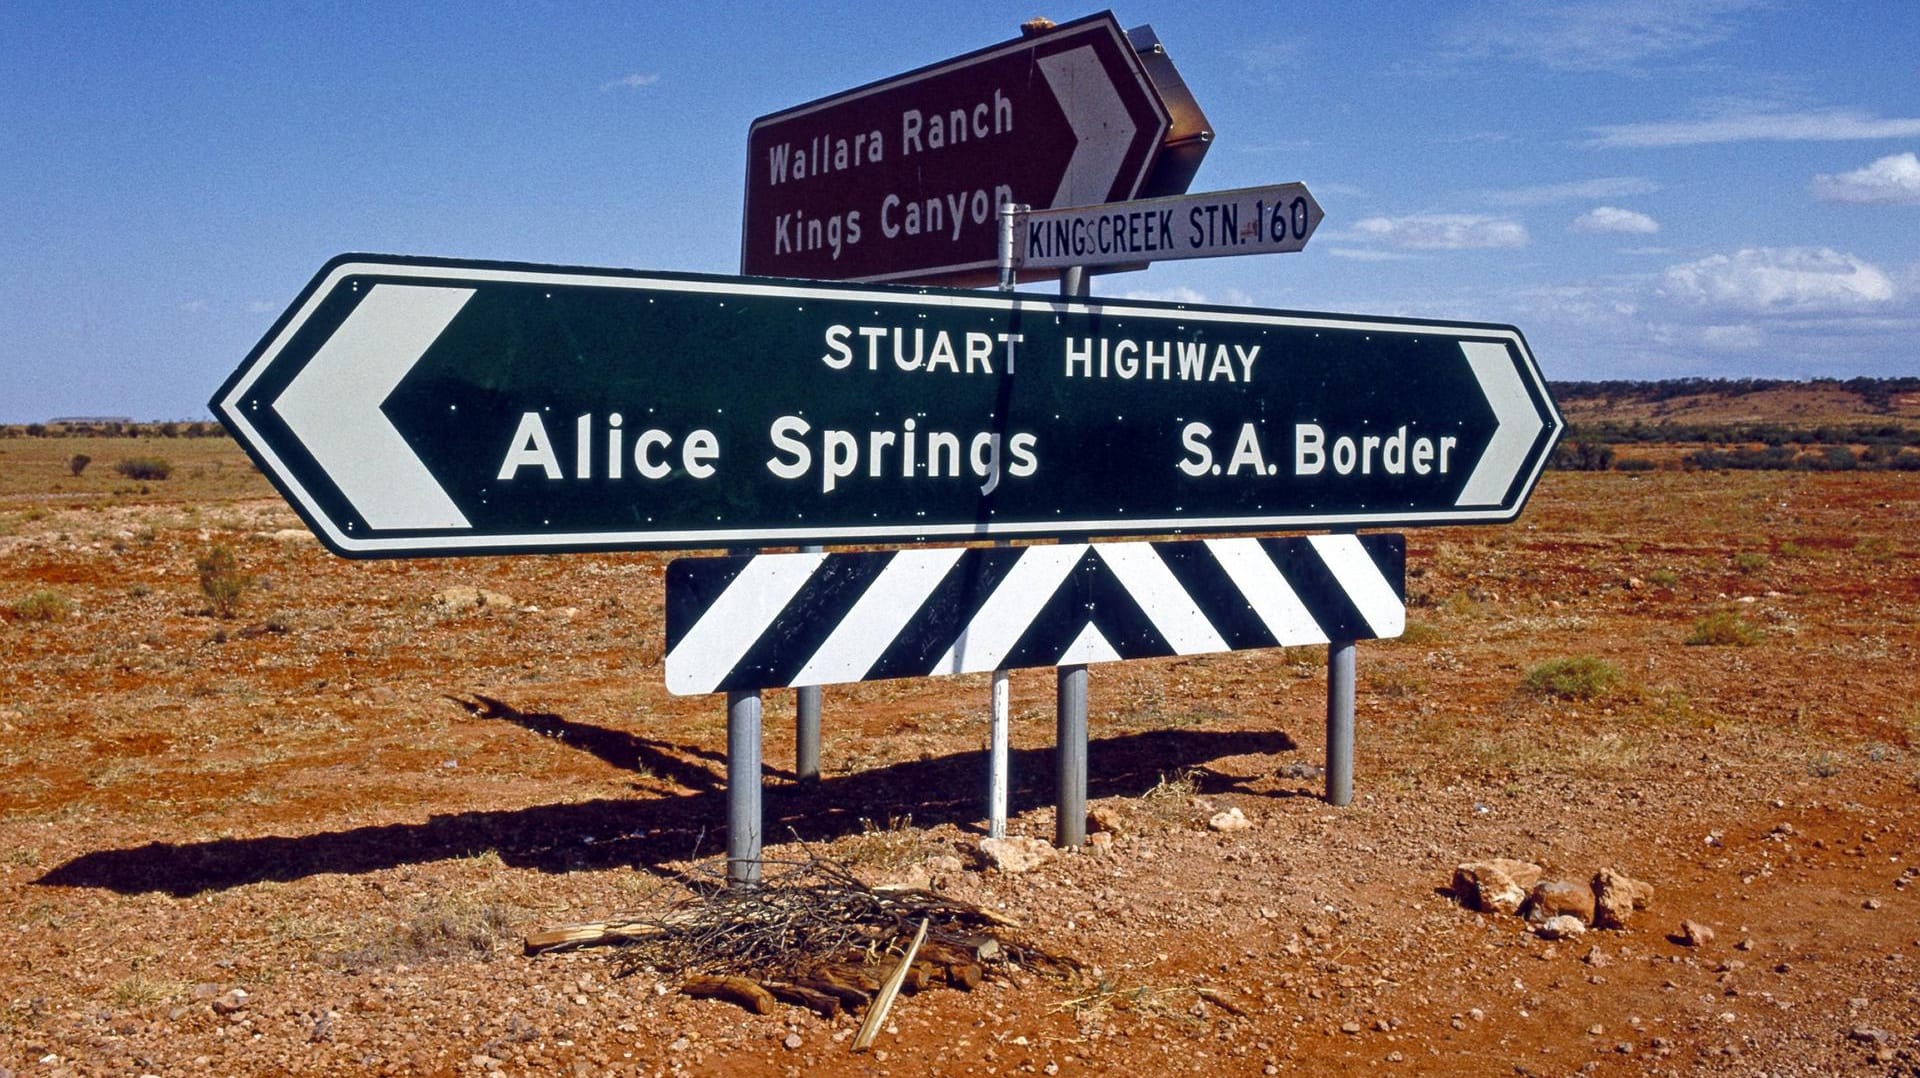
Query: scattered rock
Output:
(1100,841)
(232,1002)
(943,869)
(462,598)
(1596,958)
(1015,855)
(793,1041)
(1562,926)
(1616,896)
(1868,1035)
(293,535)
(1112,817)
(1693,934)
(1558,898)
(1496,886)
(1230,820)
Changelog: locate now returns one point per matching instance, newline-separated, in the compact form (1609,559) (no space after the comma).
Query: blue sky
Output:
(1647,189)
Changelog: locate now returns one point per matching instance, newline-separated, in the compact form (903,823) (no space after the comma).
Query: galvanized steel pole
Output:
(806,724)
(999,734)
(1070,705)
(743,788)
(743,780)
(1070,758)
(1340,655)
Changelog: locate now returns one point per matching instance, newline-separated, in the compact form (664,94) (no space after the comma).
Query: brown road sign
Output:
(900,180)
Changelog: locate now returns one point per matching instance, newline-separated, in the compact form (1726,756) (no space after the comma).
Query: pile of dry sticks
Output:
(813,935)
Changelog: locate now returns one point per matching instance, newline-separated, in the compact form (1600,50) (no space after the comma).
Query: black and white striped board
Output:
(776,620)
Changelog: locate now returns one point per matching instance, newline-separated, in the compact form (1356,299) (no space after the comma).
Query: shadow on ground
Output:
(651,830)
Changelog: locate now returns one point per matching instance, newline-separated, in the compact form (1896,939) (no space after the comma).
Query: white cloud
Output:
(1232,297)
(1734,338)
(1893,180)
(1575,191)
(1442,231)
(634,81)
(1612,220)
(1816,125)
(1368,254)
(1597,35)
(1780,280)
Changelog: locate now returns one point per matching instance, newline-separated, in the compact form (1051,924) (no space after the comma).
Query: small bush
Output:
(1581,678)
(1723,628)
(1634,464)
(144,468)
(43,605)
(1581,457)
(1875,548)
(221,581)
(1749,561)
(1420,632)
(1664,578)
(78,463)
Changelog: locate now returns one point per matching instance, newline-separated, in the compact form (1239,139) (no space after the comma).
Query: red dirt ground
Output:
(293,802)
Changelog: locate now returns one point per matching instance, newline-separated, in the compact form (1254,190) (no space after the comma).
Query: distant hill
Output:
(1695,402)
(1824,424)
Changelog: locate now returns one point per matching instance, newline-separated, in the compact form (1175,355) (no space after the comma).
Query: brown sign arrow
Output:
(901,180)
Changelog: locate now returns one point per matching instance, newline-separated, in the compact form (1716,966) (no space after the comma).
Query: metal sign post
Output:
(806,724)
(743,787)
(1340,656)
(1000,726)
(1070,698)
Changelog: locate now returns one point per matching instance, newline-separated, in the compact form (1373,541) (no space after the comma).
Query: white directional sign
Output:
(1249,221)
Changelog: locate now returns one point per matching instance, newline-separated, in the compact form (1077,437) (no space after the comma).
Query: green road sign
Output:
(430,407)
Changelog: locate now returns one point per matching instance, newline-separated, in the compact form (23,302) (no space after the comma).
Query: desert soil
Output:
(294,840)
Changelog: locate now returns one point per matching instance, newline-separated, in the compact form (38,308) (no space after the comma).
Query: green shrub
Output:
(1634,464)
(144,468)
(1723,628)
(1580,678)
(1749,561)
(1664,578)
(221,581)
(43,605)
(1420,632)
(78,463)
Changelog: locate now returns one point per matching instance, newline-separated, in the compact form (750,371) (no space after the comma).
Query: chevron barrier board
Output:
(776,620)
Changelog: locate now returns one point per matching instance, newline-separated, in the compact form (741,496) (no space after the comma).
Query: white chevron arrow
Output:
(333,406)
(1102,129)
(1517,423)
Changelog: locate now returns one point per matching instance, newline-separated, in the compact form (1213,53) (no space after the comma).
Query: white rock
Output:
(1014,855)
(1565,926)
(1231,820)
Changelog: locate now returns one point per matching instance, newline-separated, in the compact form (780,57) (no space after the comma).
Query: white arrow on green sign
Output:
(432,407)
